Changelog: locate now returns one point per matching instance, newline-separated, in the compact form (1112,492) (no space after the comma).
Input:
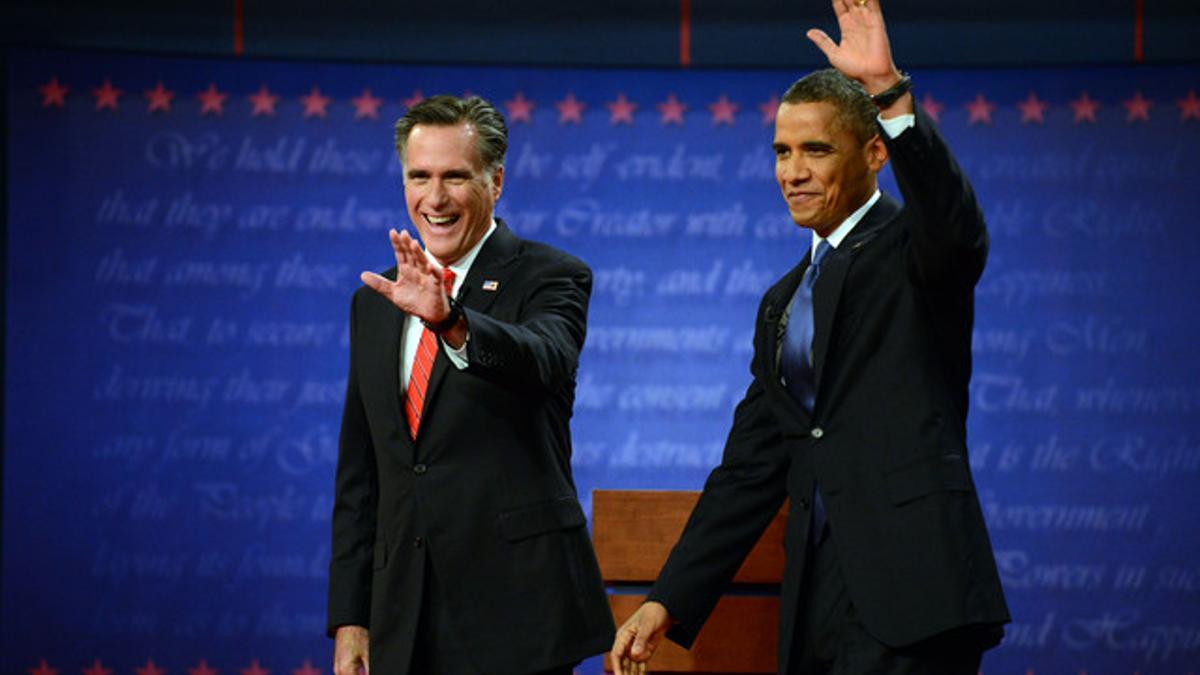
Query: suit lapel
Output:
(774,327)
(391,331)
(828,289)
(484,283)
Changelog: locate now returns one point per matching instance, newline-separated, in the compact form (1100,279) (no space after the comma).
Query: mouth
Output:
(440,221)
(801,197)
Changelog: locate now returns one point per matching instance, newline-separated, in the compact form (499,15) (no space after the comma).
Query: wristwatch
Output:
(893,93)
(456,312)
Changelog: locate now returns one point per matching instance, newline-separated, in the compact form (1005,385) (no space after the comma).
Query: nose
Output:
(794,171)
(438,195)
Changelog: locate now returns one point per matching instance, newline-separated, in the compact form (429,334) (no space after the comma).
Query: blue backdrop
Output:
(184,236)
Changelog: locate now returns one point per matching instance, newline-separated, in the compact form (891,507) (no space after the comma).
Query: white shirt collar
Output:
(463,265)
(835,238)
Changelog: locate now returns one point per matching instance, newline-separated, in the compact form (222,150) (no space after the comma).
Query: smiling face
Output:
(450,193)
(823,170)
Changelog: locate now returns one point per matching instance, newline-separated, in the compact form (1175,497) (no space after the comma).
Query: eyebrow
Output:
(449,173)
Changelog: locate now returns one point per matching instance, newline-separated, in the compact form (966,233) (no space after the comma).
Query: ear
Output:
(876,153)
(497,182)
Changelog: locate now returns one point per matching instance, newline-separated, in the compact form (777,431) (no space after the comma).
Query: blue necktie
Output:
(796,362)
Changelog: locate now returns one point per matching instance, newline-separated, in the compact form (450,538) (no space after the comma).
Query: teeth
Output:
(441,220)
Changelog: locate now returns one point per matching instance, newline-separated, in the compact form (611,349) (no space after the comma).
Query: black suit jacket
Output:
(486,490)
(893,311)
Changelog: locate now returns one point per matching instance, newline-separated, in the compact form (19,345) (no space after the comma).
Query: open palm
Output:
(418,288)
(864,53)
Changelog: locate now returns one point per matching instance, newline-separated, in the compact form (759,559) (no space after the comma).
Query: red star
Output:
(150,669)
(1085,108)
(366,105)
(520,109)
(570,109)
(980,110)
(43,669)
(621,110)
(1137,108)
(106,96)
(769,109)
(159,98)
(1189,108)
(54,93)
(1033,109)
(723,110)
(264,102)
(672,110)
(255,669)
(306,669)
(315,104)
(212,101)
(202,669)
(97,668)
(933,107)
(416,98)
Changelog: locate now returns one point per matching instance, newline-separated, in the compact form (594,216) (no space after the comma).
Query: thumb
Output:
(639,643)
(644,639)
(822,41)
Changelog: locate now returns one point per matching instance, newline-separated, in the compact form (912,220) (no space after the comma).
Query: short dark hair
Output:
(490,131)
(854,107)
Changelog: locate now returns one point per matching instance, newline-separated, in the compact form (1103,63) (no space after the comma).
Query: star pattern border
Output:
(716,111)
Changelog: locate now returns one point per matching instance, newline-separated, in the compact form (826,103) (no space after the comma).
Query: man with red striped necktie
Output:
(459,545)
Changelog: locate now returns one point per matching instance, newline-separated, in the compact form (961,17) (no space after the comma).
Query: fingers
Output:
(375,282)
(410,255)
(618,653)
(822,41)
(397,247)
(627,666)
(418,258)
(841,6)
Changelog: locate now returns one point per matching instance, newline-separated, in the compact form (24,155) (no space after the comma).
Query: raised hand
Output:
(418,288)
(864,53)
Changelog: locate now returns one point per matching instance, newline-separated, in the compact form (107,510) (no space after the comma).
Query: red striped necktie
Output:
(422,366)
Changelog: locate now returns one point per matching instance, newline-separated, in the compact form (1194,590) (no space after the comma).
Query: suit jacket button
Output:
(804,503)
(418,542)
(817,432)
(419,469)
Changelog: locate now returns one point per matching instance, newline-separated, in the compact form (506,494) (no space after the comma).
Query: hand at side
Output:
(638,639)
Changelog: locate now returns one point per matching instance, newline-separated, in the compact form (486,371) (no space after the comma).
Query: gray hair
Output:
(491,134)
(855,110)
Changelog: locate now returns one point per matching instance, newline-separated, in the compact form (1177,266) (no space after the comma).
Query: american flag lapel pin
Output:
(491,285)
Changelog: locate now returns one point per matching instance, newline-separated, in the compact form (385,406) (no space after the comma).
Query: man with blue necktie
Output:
(858,407)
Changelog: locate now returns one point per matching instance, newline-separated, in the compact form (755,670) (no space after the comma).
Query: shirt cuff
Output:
(458,356)
(894,126)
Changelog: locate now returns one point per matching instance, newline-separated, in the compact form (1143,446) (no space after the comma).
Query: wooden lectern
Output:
(633,532)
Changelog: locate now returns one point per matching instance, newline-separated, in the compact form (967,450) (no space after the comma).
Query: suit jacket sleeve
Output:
(949,237)
(740,498)
(354,509)
(541,349)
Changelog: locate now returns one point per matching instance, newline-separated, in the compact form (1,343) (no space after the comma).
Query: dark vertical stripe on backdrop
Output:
(685,33)
(1139,29)
(239,27)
